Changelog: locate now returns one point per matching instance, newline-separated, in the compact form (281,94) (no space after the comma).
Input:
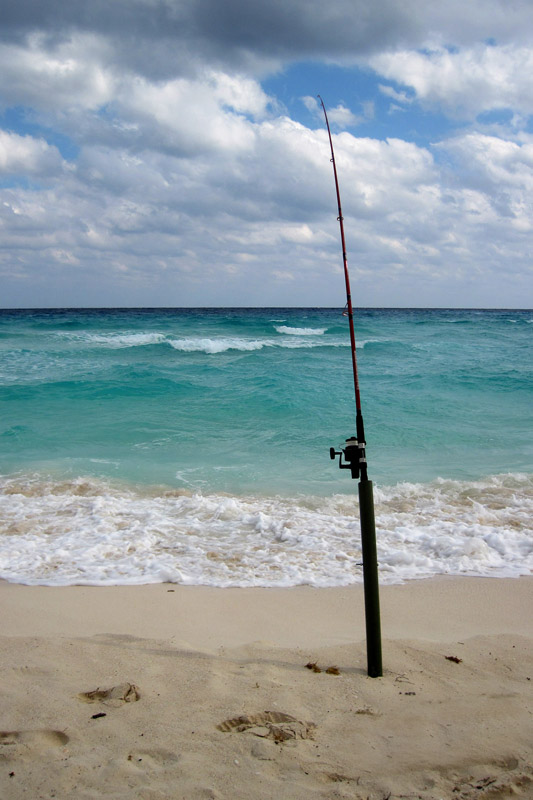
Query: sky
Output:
(173,153)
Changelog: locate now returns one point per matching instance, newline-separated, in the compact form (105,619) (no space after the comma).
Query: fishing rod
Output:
(354,453)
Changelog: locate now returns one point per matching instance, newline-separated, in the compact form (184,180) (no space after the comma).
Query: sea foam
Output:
(212,346)
(86,531)
(300,331)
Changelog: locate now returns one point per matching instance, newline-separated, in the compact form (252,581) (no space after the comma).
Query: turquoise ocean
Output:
(192,445)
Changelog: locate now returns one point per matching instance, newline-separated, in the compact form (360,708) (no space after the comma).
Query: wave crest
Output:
(206,345)
(300,331)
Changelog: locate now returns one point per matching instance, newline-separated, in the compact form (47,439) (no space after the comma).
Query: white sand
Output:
(431,728)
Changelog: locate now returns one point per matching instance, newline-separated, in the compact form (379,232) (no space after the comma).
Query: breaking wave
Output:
(89,531)
(300,331)
(204,344)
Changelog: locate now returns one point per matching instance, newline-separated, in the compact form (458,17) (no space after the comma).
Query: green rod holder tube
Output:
(370,578)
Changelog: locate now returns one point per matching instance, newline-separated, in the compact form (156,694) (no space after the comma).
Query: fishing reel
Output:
(354,456)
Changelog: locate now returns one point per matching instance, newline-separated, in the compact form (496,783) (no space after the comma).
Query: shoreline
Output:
(203,616)
(194,693)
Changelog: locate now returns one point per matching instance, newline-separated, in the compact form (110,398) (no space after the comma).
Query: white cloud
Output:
(160,39)
(239,93)
(24,155)
(312,104)
(274,201)
(499,171)
(466,82)
(187,171)
(68,79)
(400,97)
(343,117)
(193,115)
(73,73)
(153,225)
(497,161)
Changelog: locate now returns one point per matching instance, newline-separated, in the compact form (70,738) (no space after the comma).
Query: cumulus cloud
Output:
(464,82)
(191,185)
(233,33)
(24,155)
(71,73)
(501,171)
(190,116)
(343,117)
(157,218)
(162,38)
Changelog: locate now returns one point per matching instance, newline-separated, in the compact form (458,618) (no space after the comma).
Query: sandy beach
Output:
(166,691)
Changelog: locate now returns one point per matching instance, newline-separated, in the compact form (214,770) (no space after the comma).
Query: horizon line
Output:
(251,308)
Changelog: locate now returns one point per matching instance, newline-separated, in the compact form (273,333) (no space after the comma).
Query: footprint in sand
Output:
(14,744)
(270,725)
(503,778)
(114,697)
